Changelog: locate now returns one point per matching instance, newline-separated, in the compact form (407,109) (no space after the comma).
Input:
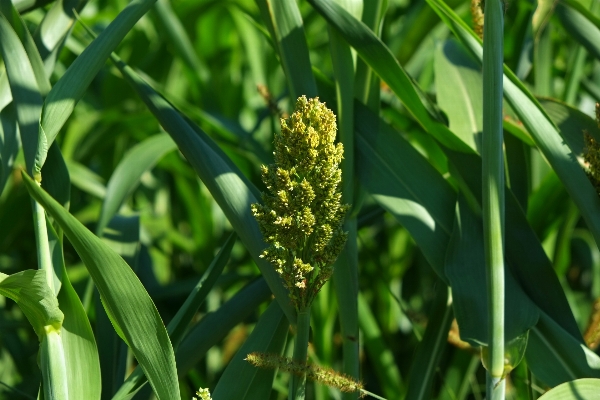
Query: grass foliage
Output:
(131,142)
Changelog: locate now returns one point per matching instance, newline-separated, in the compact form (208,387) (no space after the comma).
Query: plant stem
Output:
(493,192)
(43,250)
(298,382)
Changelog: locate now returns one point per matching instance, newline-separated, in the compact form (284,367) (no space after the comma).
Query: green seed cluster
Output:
(591,155)
(325,376)
(301,216)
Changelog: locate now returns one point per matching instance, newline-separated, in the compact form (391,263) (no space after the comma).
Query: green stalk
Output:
(43,250)
(52,357)
(493,192)
(298,382)
(54,367)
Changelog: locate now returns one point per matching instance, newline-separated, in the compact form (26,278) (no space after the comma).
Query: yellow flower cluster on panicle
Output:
(591,155)
(301,216)
(203,394)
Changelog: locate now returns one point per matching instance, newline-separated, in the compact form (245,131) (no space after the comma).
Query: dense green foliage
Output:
(132,137)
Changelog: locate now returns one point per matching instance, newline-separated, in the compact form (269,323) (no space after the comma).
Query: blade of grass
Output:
(177,36)
(555,356)
(582,25)
(544,132)
(379,352)
(132,311)
(585,388)
(372,50)
(69,89)
(284,22)
(230,189)
(127,174)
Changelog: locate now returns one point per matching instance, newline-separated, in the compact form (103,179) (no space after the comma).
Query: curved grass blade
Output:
(571,122)
(177,36)
(25,37)
(25,93)
(544,132)
(582,25)
(132,311)
(555,356)
(126,175)
(578,389)
(243,381)
(230,189)
(374,52)
(284,21)
(65,94)
(423,202)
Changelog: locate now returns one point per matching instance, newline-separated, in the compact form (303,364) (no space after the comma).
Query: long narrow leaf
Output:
(230,189)
(125,299)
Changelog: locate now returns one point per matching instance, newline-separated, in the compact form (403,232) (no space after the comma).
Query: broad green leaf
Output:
(71,87)
(372,50)
(37,300)
(459,91)
(544,132)
(241,380)
(430,350)
(423,203)
(284,21)
(126,176)
(586,388)
(124,298)
(465,269)
(555,356)
(230,189)
(526,257)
